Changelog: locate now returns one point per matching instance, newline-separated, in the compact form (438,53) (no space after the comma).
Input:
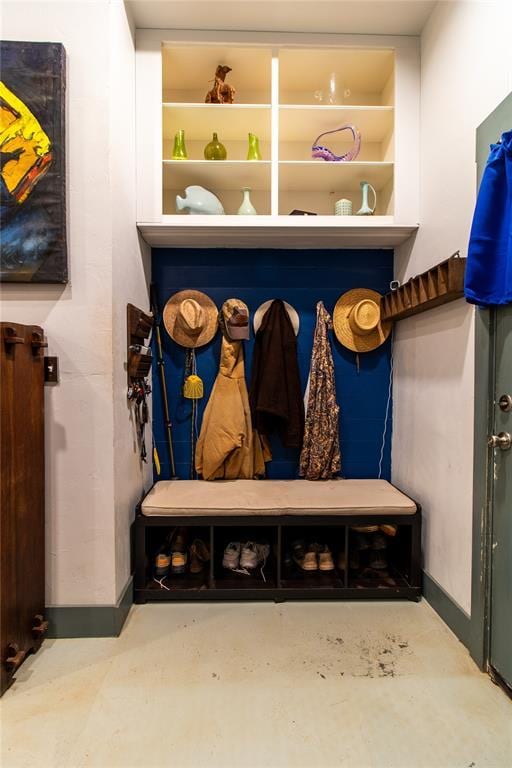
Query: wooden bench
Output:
(278,511)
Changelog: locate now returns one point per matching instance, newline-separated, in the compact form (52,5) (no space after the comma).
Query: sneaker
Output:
(199,555)
(325,561)
(231,558)
(306,560)
(162,565)
(253,554)
(178,562)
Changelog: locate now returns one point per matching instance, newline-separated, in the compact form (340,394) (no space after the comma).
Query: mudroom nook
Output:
(256,401)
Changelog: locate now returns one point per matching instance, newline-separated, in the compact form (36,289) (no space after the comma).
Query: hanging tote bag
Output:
(488,279)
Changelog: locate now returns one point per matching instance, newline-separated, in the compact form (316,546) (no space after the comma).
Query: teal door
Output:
(500,446)
(500,656)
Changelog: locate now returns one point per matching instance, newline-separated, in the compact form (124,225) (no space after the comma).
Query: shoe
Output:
(378,560)
(178,562)
(179,540)
(361,541)
(253,554)
(378,541)
(389,529)
(162,565)
(307,560)
(364,528)
(325,561)
(199,555)
(231,558)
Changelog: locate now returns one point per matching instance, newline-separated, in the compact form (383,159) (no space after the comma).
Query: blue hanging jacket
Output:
(488,279)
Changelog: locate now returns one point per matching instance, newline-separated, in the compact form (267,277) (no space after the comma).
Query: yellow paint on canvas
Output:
(20,131)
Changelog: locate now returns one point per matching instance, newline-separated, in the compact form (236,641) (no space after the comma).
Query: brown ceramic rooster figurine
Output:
(221,93)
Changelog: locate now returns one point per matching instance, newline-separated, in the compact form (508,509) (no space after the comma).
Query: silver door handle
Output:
(503,441)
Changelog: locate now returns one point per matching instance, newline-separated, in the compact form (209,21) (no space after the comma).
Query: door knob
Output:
(503,441)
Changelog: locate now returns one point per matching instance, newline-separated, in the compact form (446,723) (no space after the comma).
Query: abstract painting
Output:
(33,245)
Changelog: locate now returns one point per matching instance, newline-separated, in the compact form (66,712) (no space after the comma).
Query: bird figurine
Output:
(222,92)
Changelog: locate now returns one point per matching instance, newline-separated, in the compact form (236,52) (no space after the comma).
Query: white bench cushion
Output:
(275,497)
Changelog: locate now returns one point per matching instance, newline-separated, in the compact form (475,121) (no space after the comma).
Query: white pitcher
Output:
(365,209)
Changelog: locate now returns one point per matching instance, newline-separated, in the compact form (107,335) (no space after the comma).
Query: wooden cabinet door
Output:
(29,483)
(12,339)
(22,495)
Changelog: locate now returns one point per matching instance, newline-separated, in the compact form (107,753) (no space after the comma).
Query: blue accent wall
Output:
(301,277)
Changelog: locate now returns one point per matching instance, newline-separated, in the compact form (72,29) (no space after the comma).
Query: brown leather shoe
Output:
(199,555)
(325,561)
(179,540)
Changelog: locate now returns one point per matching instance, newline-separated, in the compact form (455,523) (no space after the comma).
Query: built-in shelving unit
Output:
(287,95)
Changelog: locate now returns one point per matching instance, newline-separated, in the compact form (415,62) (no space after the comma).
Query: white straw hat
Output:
(357,320)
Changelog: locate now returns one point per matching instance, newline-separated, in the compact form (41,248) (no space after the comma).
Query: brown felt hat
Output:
(357,321)
(191,318)
(234,320)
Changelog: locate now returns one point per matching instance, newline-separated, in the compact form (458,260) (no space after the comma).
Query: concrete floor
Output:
(304,685)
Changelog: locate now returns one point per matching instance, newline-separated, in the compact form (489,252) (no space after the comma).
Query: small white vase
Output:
(247,208)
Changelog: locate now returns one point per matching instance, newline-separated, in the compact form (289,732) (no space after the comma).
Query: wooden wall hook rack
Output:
(436,286)
(139,325)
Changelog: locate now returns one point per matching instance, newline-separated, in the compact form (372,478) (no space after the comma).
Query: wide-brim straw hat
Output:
(292,314)
(357,320)
(191,318)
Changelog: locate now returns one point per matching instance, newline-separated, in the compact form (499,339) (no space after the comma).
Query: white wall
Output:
(87,544)
(131,266)
(466,70)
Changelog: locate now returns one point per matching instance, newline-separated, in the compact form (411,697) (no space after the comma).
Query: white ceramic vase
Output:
(247,208)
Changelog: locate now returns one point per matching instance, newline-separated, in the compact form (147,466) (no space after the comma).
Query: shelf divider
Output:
(274,135)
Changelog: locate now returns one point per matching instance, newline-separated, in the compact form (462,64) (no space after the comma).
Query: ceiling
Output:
(379,17)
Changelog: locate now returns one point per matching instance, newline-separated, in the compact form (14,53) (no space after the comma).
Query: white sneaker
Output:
(231,557)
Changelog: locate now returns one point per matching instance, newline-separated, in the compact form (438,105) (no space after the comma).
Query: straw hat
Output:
(357,322)
(292,314)
(190,319)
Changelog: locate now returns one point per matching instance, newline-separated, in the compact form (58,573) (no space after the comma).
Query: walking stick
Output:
(163,383)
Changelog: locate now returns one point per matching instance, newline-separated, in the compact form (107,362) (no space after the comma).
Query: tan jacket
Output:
(227,447)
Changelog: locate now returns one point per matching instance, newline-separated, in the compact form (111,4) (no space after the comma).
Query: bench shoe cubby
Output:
(283,580)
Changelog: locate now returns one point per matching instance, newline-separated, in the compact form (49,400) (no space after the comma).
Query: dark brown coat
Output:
(275,391)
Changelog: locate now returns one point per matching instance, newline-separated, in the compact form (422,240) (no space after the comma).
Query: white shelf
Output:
(188,71)
(367,73)
(298,123)
(229,121)
(275,81)
(275,232)
(217,175)
(321,176)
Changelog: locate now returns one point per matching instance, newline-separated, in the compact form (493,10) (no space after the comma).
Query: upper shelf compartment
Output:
(334,76)
(188,72)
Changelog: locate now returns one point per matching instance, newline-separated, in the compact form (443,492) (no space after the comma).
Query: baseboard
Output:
(90,620)
(451,613)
